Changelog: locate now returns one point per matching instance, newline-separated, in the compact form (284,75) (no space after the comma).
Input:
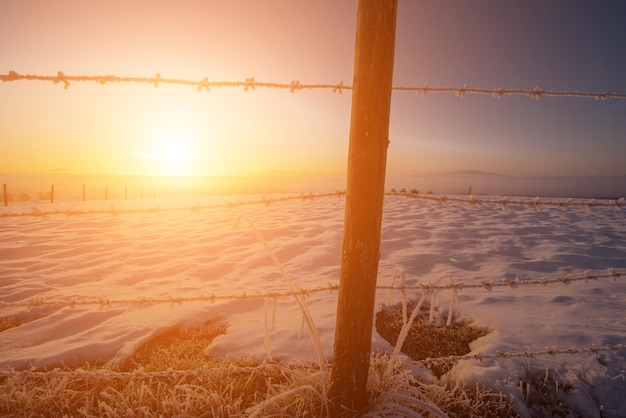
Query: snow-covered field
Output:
(145,259)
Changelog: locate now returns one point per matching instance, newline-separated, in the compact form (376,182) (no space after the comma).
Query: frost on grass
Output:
(13,321)
(178,349)
(403,391)
(428,339)
(8,323)
(169,376)
(545,393)
(150,383)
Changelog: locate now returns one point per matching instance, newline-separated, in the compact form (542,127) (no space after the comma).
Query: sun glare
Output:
(181,142)
(173,153)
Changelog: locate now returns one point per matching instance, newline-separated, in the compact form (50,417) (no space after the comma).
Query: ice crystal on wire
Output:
(537,93)
(461,92)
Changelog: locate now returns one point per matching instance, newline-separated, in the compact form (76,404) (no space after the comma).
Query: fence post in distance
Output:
(367,160)
(6,199)
(52,193)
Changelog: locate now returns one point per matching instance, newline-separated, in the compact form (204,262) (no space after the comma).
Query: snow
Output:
(133,249)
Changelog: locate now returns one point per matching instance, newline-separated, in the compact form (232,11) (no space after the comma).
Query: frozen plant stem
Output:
(308,319)
(404,332)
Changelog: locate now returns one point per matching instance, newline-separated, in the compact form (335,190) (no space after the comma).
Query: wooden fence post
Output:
(52,193)
(84,196)
(6,199)
(367,159)
(106,192)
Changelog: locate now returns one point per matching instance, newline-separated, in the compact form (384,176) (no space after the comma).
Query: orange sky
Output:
(136,128)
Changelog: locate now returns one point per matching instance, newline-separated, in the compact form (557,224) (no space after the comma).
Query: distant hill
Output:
(471,173)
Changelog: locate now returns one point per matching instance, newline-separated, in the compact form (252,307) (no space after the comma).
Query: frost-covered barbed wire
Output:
(499,355)
(108,374)
(504,201)
(112,210)
(205,84)
(141,302)
(535,93)
(586,276)
(251,84)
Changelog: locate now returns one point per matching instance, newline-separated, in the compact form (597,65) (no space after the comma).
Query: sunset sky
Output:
(564,45)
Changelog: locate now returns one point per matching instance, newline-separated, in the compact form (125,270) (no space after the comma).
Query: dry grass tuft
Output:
(425,340)
(545,393)
(178,349)
(401,393)
(459,401)
(33,314)
(8,323)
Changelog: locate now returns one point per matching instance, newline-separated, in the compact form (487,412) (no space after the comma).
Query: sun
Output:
(174,153)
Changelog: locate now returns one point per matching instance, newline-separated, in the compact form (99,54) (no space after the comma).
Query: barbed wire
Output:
(108,374)
(138,374)
(471,200)
(205,84)
(535,93)
(504,201)
(103,302)
(141,302)
(513,283)
(295,85)
(499,355)
(35,211)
